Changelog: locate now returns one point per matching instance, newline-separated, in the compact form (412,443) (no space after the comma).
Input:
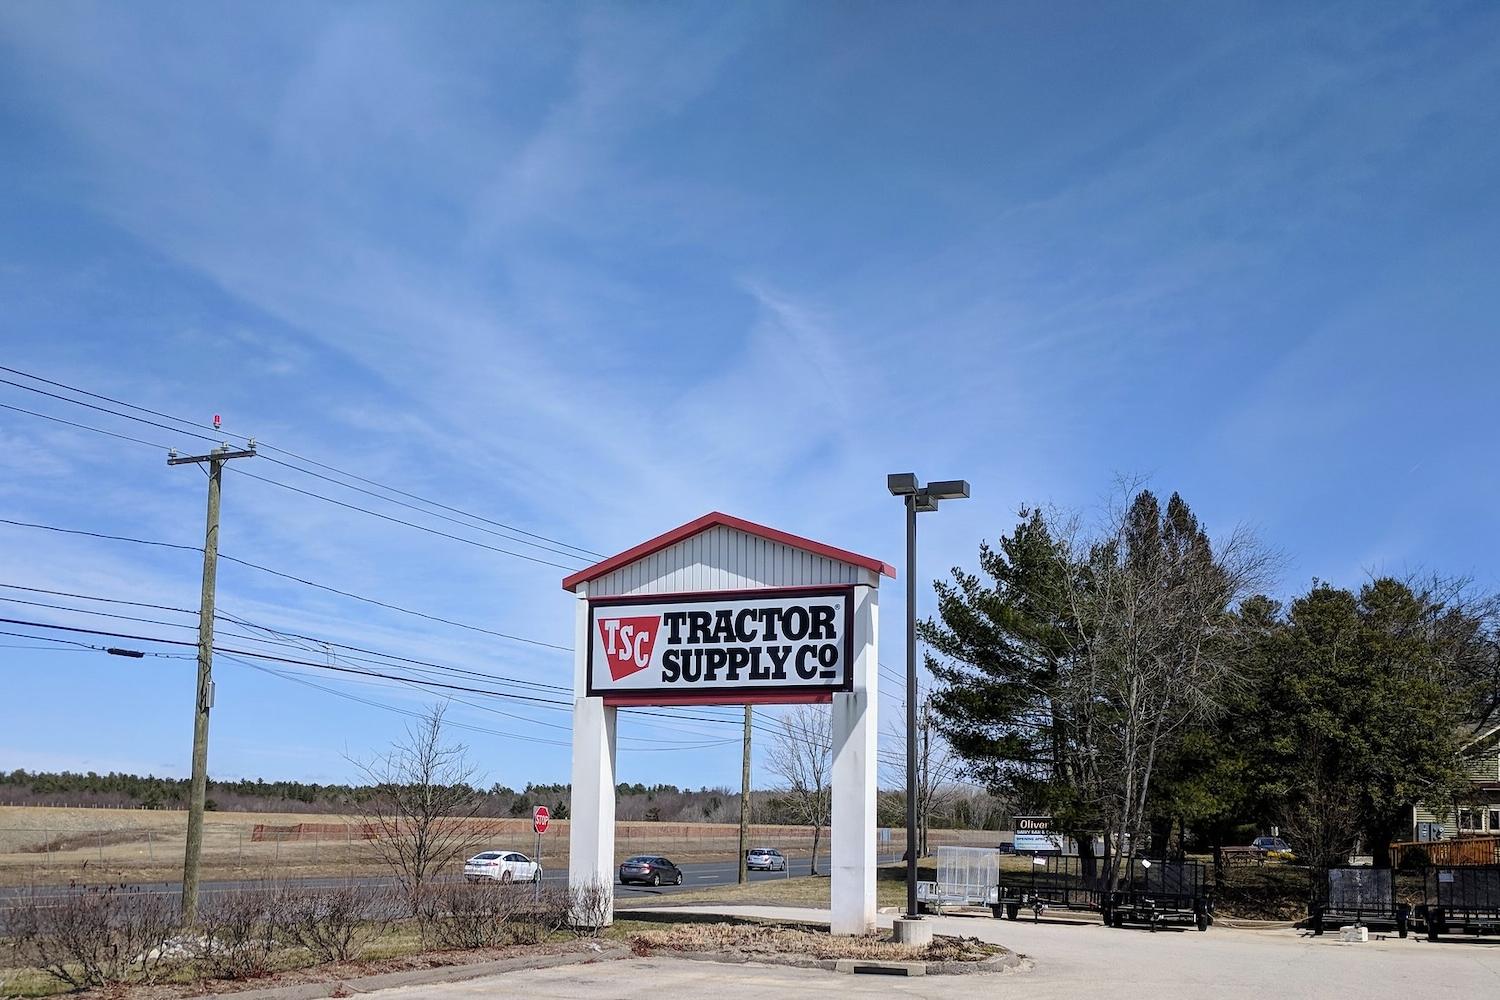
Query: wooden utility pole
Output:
(745,801)
(205,699)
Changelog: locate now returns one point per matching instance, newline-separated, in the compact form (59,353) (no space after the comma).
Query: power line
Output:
(80,647)
(293,578)
(284,451)
(248,624)
(327,499)
(98,534)
(409,524)
(429,513)
(288,660)
(438,685)
(94,597)
(85,427)
(394,607)
(104,409)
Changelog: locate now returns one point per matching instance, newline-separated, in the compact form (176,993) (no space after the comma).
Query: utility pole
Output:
(205,699)
(745,801)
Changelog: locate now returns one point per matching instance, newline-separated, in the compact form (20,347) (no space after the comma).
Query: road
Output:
(695,875)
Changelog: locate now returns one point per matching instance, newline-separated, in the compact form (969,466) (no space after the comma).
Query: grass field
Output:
(47,845)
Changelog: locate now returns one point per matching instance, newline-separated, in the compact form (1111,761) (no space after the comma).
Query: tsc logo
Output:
(628,643)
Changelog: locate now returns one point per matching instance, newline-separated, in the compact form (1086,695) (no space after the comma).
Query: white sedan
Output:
(502,866)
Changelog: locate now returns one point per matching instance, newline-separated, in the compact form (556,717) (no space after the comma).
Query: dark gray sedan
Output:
(648,869)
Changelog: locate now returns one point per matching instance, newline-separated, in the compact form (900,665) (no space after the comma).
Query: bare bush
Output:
(242,932)
(590,906)
(542,915)
(98,936)
(476,916)
(332,924)
(423,794)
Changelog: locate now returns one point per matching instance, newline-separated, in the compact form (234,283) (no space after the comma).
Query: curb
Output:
(426,977)
(1006,962)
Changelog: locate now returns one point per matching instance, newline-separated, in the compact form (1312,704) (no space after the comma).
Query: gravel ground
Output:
(1069,960)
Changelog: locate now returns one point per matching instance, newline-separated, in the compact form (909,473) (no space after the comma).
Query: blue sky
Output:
(595,270)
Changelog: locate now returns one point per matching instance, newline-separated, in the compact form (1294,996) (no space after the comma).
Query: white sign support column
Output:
(591,834)
(852,888)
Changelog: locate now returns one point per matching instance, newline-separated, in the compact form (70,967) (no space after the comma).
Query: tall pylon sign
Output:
(722,611)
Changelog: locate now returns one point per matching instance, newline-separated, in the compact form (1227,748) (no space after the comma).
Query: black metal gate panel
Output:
(1056,881)
(1166,879)
(1361,891)
(1474,889)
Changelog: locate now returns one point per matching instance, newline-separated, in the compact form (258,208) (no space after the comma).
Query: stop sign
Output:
(540,817)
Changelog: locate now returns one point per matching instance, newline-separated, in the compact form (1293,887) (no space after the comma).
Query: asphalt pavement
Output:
(695,875)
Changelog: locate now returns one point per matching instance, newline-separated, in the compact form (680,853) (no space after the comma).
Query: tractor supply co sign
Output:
(759,644)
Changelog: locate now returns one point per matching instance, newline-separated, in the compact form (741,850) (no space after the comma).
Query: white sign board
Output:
(729,646)
(1034,834)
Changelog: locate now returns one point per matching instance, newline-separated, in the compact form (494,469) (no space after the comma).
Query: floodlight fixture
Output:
(949,489)
(901,484)
(925,502)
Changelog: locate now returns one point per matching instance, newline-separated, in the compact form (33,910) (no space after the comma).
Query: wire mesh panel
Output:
(1067,882)
(1476,888)
(1164,878)
(967,873)
(1361,891)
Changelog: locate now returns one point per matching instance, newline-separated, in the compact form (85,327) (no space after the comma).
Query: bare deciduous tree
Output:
(424,794)
(1156,643)
(938,769)
(802,757)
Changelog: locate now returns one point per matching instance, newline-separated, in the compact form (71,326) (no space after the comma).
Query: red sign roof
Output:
(711,520)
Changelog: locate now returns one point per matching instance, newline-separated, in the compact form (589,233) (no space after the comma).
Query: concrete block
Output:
(860,966)
(916,933)
(1354,934)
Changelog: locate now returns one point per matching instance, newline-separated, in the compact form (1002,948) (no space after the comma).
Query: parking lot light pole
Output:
(918,499)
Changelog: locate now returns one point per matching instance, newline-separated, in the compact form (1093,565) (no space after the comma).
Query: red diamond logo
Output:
(628,643)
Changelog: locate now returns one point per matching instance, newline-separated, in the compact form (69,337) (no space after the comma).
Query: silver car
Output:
(767,859)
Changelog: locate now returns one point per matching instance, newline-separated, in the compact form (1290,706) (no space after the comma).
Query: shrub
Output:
(333,924)
(476,916)
(541,916)
(98,936)
(241,933)
(1415,859)
(590,906)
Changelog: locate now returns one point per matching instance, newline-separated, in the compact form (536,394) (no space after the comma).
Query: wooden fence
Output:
(1460,851)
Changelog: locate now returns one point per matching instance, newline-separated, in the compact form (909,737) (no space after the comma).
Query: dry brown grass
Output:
(890,890)
(775,941)
(51,845)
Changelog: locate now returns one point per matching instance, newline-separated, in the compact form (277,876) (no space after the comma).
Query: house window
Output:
(1495,820)
(1466,819)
